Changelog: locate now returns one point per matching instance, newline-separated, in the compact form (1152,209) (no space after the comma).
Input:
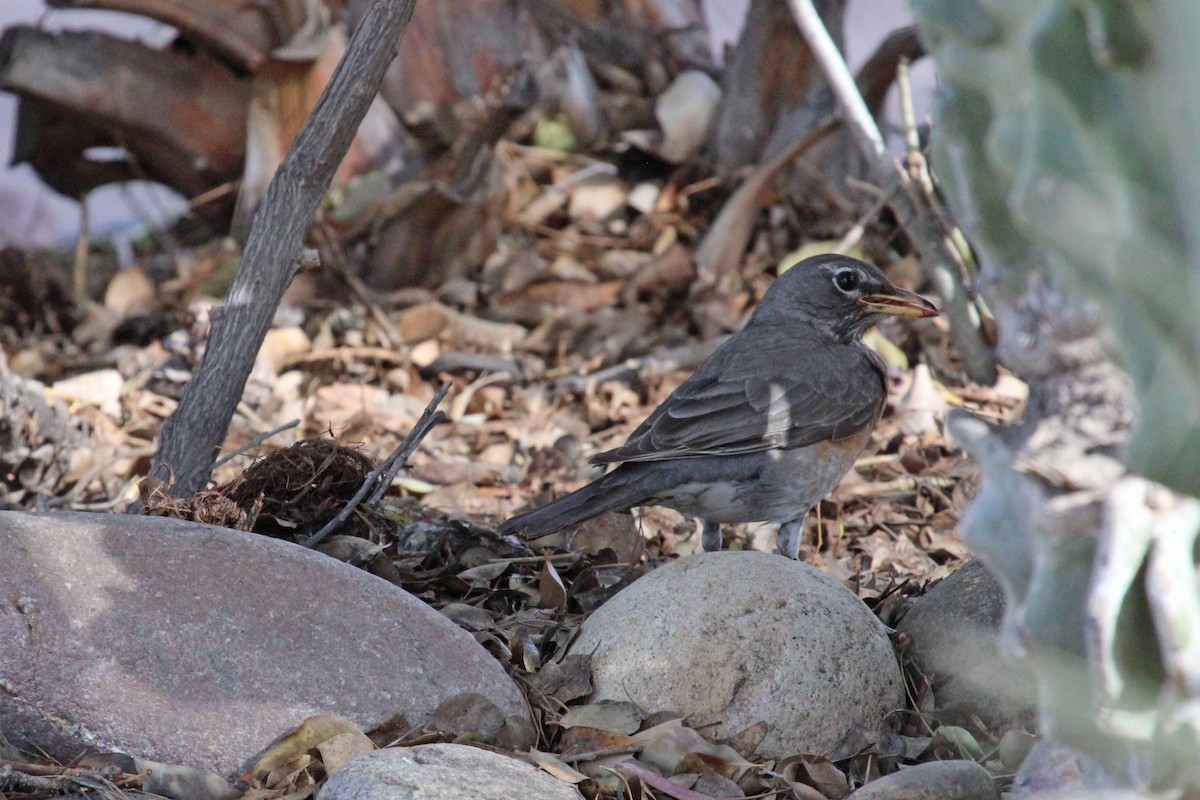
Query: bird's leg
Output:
(788,540)
(710,537)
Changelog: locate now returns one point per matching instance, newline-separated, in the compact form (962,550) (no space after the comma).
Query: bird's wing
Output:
(756,404)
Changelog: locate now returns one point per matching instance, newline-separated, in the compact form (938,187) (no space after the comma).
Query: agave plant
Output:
(1066,141)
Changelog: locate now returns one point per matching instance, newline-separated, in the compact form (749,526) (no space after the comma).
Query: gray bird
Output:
(768,424)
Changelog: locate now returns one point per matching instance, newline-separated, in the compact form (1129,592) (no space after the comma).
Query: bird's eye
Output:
(847,280)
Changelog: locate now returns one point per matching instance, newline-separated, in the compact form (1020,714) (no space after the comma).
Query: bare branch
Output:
(191,436)
(380,478)
(916,215)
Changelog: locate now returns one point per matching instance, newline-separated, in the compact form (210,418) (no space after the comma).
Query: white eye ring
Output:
(847,280)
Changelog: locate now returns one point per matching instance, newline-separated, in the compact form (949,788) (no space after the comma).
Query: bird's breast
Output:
(773,486)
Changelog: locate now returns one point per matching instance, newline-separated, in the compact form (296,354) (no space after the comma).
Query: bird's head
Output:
(839,295)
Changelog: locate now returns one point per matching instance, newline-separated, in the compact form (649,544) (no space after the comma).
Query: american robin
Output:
(768,424)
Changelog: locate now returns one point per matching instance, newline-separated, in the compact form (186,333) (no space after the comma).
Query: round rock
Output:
(445,771)
(197,645)
(935,780)
(954,630)
(1054,771)
(735,638)
(685,112)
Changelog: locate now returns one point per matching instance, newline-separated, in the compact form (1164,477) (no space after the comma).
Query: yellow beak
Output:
(901,303)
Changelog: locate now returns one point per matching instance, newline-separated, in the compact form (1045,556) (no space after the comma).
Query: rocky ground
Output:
(773,693)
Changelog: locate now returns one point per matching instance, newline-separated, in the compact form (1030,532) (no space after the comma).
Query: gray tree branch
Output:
(190,437)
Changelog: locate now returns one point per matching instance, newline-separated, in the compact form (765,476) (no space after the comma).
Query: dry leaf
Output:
(660,783)
(815,772)
(922,408)
(281,346)
(469,713)
(425,353)
(565,680)
(573,294)
(130,292)
(473,618)
(482,576)
(423,322)
(100,389)
(643,197)
(556,767)
(618,716)
(596,199)
(684,113)
(551,591)
(746,741)
(577,740)
(291,748)
(664,746)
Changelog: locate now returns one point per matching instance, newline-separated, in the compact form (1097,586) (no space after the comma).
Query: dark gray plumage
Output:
(768,424)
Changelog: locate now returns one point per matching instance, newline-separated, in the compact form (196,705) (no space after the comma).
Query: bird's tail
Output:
(613,492)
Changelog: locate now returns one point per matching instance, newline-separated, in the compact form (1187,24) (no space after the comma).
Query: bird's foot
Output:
(710,537)
(787,543)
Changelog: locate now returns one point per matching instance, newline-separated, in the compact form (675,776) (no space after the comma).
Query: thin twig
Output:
(592,755)
(853,236)
(854,108)
(461,361)
(729,233)
(47,770)
(381,477)
(385,329)
(908,121)
(917,216)
(105,505)
(98,470)
(82,245)
(429,420)
(556,557)
(874,461)
(684,357)
(215,193)
(896,486)
(255,442)
(66,781)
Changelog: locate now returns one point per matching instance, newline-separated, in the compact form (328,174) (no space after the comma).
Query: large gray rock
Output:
(442,771)
(734,638)
(1054,771)
(1050,770)
(936,780)
(198,645)
(953,631)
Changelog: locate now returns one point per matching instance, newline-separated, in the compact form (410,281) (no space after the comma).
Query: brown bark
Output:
(769,74)
(242,33)
(180,117)
(455,49)
(876,77)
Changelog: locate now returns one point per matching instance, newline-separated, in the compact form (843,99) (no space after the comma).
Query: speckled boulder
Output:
(734,638)
(444,771)
(197,645)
